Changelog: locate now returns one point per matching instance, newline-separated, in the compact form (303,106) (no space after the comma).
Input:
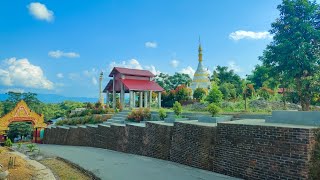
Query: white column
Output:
(150,98)
(122,94)
(114,92)
(130,99)
(159,99)
(146,99)
(134,99)
(141,102)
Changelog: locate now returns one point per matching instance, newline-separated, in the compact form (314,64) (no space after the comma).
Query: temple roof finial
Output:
(200,51)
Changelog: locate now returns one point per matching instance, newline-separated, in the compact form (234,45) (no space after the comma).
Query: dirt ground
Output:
(63,170)
(21,171)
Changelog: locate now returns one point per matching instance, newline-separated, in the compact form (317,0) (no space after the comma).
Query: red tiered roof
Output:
(133,72)
(141,85)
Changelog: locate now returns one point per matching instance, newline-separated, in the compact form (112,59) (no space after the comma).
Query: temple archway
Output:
(22,113)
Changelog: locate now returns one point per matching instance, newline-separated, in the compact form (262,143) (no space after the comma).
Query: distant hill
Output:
(54,98)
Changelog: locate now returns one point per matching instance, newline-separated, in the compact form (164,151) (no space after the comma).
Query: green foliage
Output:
(182,93)
(168,98)
(19,145)
(294,52)
(265,93)
(262,77)
(215,95)
(141,114)
(32,147)
(177,108)
(14,97)
(162,114)
(223,75)
(213,109)
(19,129)
(92,119)
(8,142)
(199,93)
(168,82)
(229,91)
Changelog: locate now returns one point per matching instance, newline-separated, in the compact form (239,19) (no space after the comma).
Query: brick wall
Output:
(193,145)
(158,140)
(262,152)
(243,151)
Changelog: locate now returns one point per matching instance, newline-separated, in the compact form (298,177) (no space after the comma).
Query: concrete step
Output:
(118,121)
(120,115)
(119,118)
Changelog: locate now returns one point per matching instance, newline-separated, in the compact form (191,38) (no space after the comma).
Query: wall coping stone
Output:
(261,122)
(295,117)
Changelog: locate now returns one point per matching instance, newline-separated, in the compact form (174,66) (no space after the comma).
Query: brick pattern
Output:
(263,152)
(243,151)
(193,145)
(158,140)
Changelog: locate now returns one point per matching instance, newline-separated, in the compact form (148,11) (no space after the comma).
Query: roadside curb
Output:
(86,172)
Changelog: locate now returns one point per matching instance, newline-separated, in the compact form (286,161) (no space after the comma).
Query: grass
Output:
(63,170)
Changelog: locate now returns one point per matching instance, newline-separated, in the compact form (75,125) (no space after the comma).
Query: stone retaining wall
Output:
(244,151)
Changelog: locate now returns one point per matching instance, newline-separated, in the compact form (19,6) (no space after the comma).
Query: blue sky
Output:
(59,47)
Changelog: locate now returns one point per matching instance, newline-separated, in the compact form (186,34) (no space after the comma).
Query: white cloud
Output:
(94,81)
(58,54)
(233,66)
(174,63)
(16,90)
(20,72)
(240,34)
(188,70)
(151,44)
(60,75)
(74,76)
(40,11)
(152,69)
(134,64)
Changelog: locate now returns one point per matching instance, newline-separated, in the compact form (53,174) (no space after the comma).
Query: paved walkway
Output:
(112,165)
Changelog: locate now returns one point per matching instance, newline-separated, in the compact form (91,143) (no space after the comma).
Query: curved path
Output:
(112,165)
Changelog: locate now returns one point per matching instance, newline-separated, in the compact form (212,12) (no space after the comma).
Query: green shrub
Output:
(199,93)
(32,147)
(8,142)
(215,95)
(162,114)
(213,109)
(177,108)
(140,115)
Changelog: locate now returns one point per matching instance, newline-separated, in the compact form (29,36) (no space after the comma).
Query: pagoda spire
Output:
(200,51)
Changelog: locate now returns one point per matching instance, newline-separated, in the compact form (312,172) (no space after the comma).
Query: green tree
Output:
(168,82)
(199,93)
(262,76)
(295,50)
(229,91)
(223,75)
(215,95)
(19,129)
(182,93)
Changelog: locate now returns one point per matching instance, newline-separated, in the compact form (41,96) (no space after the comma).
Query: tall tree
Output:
(224,75)
(295,49)
(168,82)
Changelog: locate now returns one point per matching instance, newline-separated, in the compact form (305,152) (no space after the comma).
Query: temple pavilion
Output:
(201,76)
(138,83)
